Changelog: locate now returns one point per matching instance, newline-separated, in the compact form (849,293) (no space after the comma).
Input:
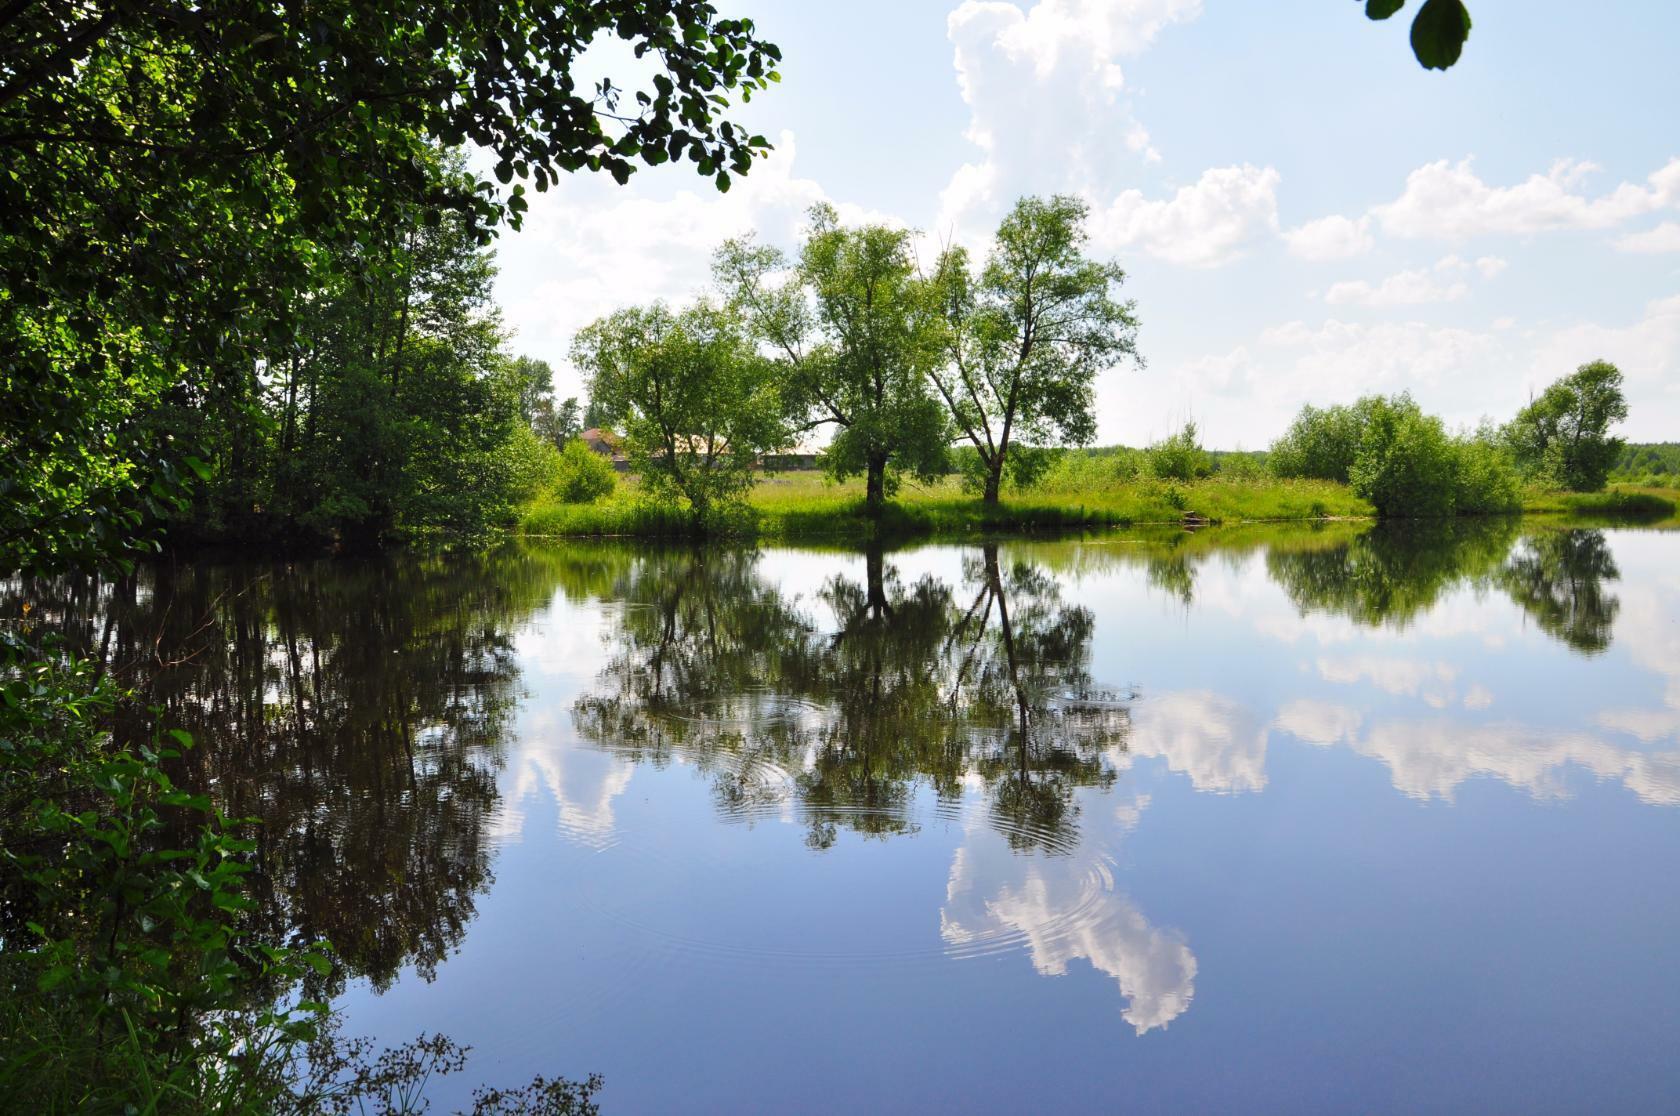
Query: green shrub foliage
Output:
(1180,456)
(581,475)
(1402,460)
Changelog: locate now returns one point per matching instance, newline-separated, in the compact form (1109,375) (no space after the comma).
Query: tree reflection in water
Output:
(883,687)
(1558,578)
(1392,574)
(360,710)
(356,710)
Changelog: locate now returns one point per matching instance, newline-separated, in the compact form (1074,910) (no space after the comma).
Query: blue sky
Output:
(1305,215)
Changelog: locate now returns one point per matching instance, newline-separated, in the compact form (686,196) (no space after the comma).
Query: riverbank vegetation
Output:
(1380,457)
(244,297)
(809,505)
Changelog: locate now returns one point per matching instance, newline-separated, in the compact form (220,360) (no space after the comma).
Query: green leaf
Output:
(182,737)
(1382,9)
(1439,32)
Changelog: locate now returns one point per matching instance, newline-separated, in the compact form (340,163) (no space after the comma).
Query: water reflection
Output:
(1062,910)
(1558,578)
(840,710)
(374,716)
(356,710)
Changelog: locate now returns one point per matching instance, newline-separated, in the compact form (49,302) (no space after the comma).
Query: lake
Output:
(1287,819)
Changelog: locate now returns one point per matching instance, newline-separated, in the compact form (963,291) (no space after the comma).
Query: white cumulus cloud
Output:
(1202,225)
(1407,288)
(1450,201)
(1664,238)
(1045,91)
(1330,238)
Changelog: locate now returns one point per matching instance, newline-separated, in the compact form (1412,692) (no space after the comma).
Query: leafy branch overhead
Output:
(1438,32)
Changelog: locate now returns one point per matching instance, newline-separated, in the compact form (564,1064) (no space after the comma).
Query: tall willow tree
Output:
(854,330)
(1024,338)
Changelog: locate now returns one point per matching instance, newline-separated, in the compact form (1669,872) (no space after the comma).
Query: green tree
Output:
(1438,32)
(1564,436)
(535,382)
(1023,341)
(697,402)
(390,409)
(852,333)
(568,421)
(181,178)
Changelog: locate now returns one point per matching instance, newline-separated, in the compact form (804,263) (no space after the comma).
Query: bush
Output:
(533,464)
(1026,468)
(1078,472)
(1180,456)
(1400,459)
(1321,443)
(1487,483)
(1239,466)
(582,476)
(1406,465)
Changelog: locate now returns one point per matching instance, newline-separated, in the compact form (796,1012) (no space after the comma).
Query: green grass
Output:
(1621,501)
(808,506)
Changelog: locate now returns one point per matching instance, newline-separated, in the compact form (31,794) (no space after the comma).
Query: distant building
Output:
(608,445)
(611,446)
(603,442)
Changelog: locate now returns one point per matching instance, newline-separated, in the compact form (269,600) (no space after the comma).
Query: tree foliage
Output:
(184,180)
(1439,31)
(697,402)
(1023,340)
(1563,437)
(852,333)
(1402,460)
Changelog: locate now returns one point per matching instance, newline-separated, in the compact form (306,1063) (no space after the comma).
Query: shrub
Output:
(1026,468)
(1487,481)
(581,475)
(533,464)
(1240,466)
(1180,456)
(1406,465)
(1322,443)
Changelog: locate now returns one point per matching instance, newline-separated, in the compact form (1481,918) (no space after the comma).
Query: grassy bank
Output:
(807,506)
(1619,501)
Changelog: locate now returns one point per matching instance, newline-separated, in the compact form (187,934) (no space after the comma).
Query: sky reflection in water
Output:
(1296,820)
(1261,820)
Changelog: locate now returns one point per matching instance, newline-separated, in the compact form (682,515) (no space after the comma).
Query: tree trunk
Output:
(994,484)
(876,494)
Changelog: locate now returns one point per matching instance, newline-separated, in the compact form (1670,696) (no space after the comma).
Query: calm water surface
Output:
(1333,820)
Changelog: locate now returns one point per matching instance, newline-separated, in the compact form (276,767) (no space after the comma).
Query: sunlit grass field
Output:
(807,505)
